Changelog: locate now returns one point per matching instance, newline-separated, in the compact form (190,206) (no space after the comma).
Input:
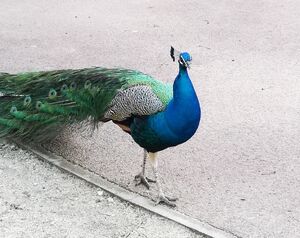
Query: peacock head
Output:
(184,59)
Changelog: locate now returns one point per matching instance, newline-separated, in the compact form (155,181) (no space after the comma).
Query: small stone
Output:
(99,200)
(15,206)
(111,200)
(100,193)
(27,194)
(14,148)
(5,146)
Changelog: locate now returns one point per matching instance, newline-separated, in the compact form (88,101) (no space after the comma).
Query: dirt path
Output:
(38,200)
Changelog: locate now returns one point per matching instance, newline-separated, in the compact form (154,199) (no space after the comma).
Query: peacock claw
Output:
(141,179)
(166,200)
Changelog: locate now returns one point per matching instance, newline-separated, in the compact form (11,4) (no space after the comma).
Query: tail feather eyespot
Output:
(38,105)
(52,93)
(64,88)
(87,84)
(73,85)
(27,101)
(13,109)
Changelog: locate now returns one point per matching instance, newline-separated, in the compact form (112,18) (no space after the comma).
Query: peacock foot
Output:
(166,200)
(141,179)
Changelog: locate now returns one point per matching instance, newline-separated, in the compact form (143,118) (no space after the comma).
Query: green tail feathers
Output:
(38,104)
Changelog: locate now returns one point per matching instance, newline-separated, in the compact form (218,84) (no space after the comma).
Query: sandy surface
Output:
(241,170)
(38,200)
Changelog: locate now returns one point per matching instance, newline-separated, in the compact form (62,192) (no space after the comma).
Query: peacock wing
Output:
(138,100)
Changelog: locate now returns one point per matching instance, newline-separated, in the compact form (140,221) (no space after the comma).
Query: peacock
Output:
(37,105)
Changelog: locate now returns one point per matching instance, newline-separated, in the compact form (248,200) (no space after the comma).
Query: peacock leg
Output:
(161,196)
(140,178)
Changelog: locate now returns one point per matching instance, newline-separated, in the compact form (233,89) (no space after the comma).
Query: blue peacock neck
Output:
(176,124)
(183,112)
(183,89)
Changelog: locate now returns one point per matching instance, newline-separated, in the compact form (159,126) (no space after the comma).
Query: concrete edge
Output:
(126,195)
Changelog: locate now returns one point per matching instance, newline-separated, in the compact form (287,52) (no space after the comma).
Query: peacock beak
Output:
(188,65)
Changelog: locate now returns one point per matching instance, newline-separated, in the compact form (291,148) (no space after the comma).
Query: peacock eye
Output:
(13,109)
(52,93)
(181,60)
(73,85)
(27,101)
(87,84)
(38,105)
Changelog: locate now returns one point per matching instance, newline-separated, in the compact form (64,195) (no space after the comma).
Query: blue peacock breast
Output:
(145,133)
(166,129)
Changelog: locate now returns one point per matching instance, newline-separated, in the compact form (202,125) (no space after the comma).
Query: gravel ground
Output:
(240,172)
(39,200)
